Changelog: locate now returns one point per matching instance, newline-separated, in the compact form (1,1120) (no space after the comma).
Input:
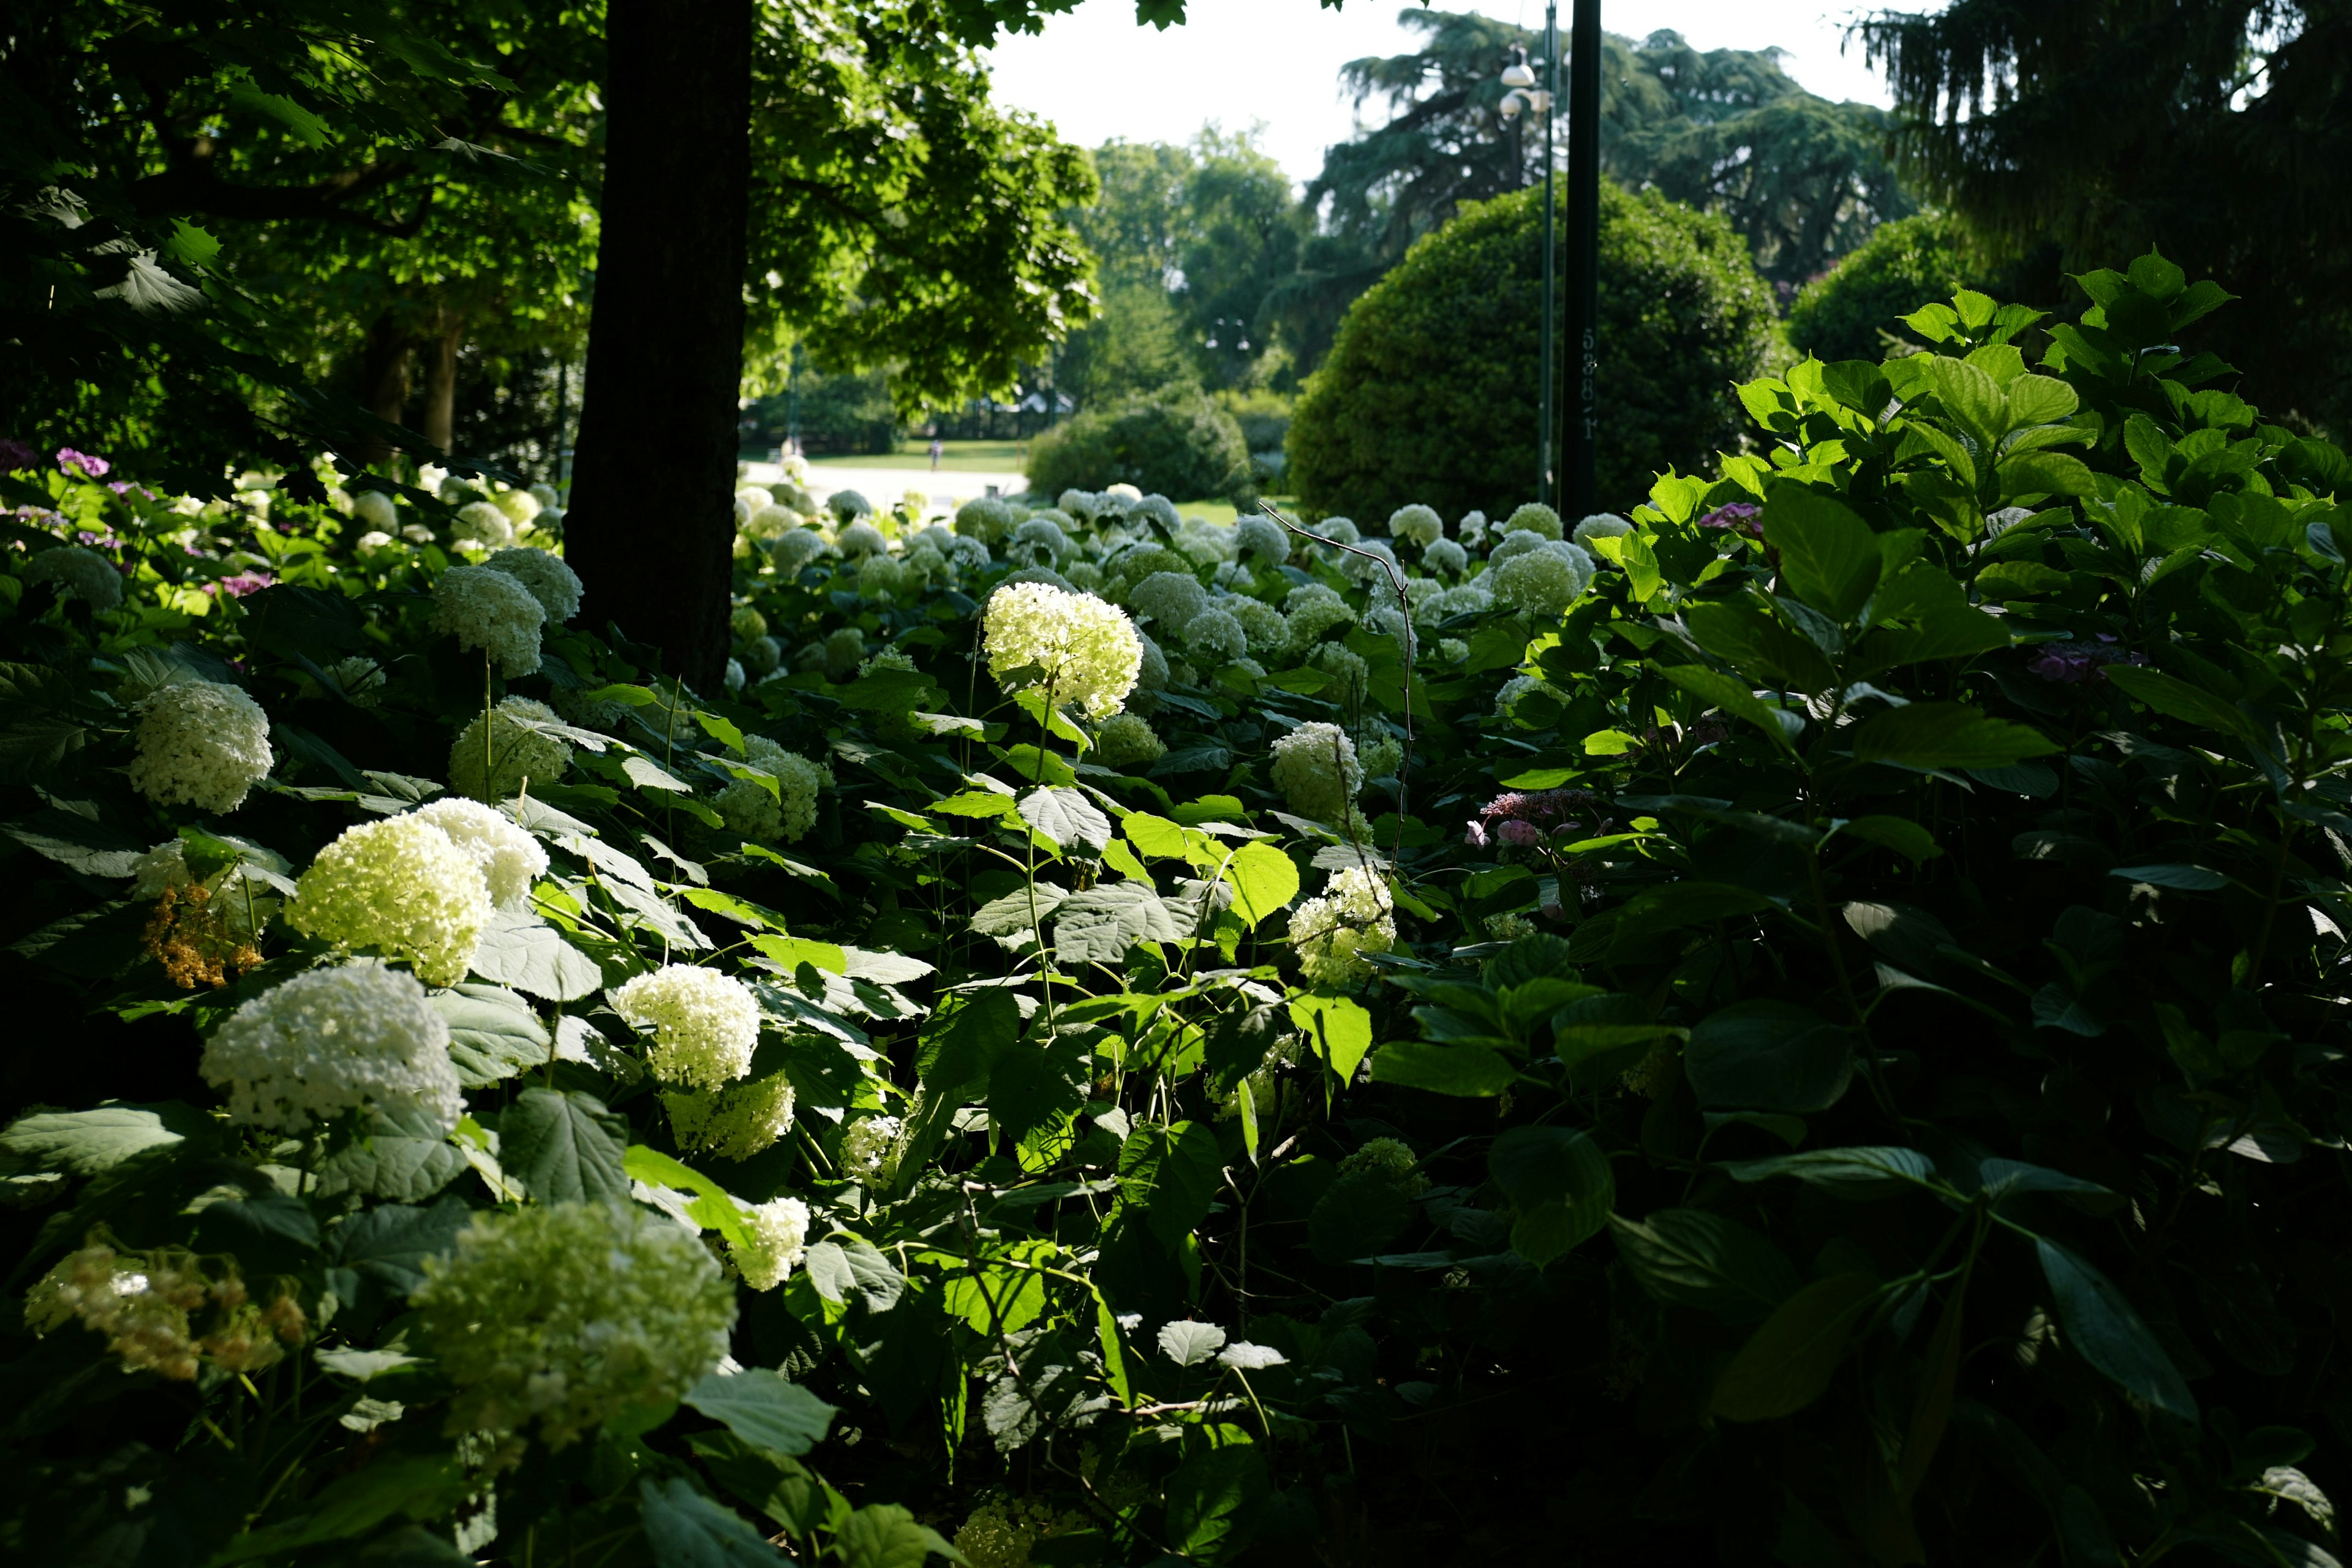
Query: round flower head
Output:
(1331,933)
(1263,625)
(1039,541)
(987,519)
(1506,701)
(359,678)
(522,507)
(734,1123)
(1124,740)
(399,886)
(882,577)
(779,1241)
(1452,650)
(552,583)
(563,1316)
(861,538)
(77,573)
(510,858)
(1544,582)
(1315,769)
(1083,650)
(373,539)
(1313,610)
(732,676)
(1203,543)
(762,657)
(770,523)
(1341,529)
(496,754)
(377,510)
(201,742)
(1151,669)
(795,549)
(1537,518)
(1389,1158)
(756,812)
(1472,530)
(333,1041)
(1467,599)
(1381,757)
(484,521)
(545,495)
(1350,677)
(1416,524)
(869,1151)
(1171,601)
(1216,637)
(1601,525)
(705,1024)
(492,611)
(843,649)
(1444,556)
(1264,539)
(847,506)
(750,498)
(1363,565)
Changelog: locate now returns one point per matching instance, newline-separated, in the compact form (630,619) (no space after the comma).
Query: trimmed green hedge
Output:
(1851,313)
(1173,442)
(1430,392)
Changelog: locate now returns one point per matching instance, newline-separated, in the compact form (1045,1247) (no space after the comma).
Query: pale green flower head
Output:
(201,742)
(401,888)
(1081,650)
(704,1024)
(513,754)
(1316,769)
(358,1036)
(492,610)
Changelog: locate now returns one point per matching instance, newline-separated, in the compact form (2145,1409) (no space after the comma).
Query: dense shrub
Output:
(1175,442)
(1822,1041)
(1852,312)
(1430,392)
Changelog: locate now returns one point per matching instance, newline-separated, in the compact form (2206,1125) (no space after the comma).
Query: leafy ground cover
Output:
(1799,1024)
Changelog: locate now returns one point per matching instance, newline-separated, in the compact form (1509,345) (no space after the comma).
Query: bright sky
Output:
(1096,75)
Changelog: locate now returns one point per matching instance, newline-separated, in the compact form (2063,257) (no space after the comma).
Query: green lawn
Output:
(991,456)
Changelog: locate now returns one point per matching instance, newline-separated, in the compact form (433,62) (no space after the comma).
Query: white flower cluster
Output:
(201,742)
(1316,768)
(399,886)
(1263,539)
(77,574)
(1544,581)
(750,810)
(494,756)
(552,583)
(376,510)
(1311,610)
(1601,525)
(1171,601)
(356,1036)
(492,611)
(561,1317)
(1331,933)
(1389,1158)
(735,1122)
(483,525)
(1416,524)
(1537,518)
(1083,650)
(510,858)
(1126,740)
(705,1024)
(869,1151)
(795,549)
(779,1241)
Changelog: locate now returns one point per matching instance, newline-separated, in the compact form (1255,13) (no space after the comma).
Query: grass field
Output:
(967,456)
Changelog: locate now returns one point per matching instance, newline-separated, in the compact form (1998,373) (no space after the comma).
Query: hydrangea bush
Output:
(1798,1022)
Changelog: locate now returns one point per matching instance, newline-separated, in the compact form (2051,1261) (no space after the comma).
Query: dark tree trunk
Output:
(665,341)
(384,382)
(441,379)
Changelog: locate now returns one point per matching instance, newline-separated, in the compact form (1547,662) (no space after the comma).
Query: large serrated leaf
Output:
(1067,817)
(564,1148)
(531,955)
(765,1409)
(493,1034)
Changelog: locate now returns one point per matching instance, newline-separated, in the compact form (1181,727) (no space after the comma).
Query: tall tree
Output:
(2219,131)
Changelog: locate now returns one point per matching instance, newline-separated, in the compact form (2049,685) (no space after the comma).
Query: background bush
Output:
(1430,393)
(1851,313)
(1174,442)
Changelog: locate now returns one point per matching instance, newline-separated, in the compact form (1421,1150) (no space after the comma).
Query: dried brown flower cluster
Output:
(161,1311)
(193,941)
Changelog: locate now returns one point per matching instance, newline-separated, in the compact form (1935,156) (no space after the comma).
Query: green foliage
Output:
(1855,313)
(1430,393)
(1174,442)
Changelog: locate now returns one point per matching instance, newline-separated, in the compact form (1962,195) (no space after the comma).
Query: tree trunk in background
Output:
(441,379)
(652,521)
(384,384)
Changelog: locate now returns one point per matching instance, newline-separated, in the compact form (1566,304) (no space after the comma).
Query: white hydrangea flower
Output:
(1262,537)
(1537,518)
(779,1230)
(1601,525)
(1267,631)
(376,510)
(1350,677)
(399,886)
(735,1122)
(869,1151)
(550,580)
(545,495)
(510,858)
(705,1024)
(1452,650)
(1084,651)
(1519,686)
(334,1041)
(1416,524)
(1359,565)
(77,574)
(1469,598)
(1126,740)
(1316,768)
(1390,1158)
(562,1316)
(847,506)
(485,521)
(1331,933)
(1215,637)
(762,657)
(987,519)
(522,507)
(1039,541)
(496,754)
(880,575)
(770,523)
(750,498)
(1544,582)
(861,538)
(795,549)
(1380,756)
(1125,497)
(844,647)
(492,611)
(1313,610)
(202,742)
(1204,543)
(750,810)
(1170,599)
(1444,556)
(373,539)
(1339,530)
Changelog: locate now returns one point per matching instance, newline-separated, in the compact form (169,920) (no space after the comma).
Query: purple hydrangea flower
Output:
(244,583)
(1739,517)
(83,463)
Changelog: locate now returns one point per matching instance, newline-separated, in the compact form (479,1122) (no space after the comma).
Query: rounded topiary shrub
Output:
(1174,442)
(1430,392)
(1853,310)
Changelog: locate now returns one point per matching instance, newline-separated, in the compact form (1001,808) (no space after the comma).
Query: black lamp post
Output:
(1584,255)
(1526,95)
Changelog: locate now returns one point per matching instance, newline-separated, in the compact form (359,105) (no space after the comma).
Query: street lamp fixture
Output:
(1525,95)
